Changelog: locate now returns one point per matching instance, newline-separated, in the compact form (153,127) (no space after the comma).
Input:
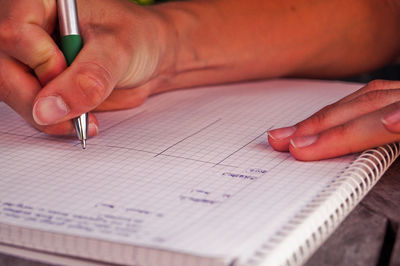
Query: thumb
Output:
(80,88)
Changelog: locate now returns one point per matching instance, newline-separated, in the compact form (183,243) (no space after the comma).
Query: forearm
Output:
(225,41)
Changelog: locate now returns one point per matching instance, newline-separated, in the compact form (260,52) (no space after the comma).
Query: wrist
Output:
(168,45)
(190,56)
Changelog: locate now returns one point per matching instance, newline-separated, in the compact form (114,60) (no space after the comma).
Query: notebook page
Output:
(189,171)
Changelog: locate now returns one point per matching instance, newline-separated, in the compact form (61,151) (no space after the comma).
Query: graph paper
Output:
(189,171)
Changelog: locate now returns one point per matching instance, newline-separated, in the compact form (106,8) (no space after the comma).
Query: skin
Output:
(368,118)
(131,52)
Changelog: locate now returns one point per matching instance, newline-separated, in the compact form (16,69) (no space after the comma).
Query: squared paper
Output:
(189,171)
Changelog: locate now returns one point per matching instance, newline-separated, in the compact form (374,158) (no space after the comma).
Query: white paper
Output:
(188,171)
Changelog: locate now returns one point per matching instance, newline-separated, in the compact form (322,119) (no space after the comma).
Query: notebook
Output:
(186,179)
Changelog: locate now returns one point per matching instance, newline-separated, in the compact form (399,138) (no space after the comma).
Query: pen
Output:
(71,44)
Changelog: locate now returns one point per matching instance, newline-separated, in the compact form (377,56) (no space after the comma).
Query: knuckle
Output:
(377,84)
(342,133)
(342,130)
(90,90)
(43,56)
(94,84)
(374,96)
(13,38)
(320,118)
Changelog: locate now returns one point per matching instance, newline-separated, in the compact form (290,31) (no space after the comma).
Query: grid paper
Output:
(189,171)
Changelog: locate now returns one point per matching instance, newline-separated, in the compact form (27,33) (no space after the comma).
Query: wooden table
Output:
(370,236)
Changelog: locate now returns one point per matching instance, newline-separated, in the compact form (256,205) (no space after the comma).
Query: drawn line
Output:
(243,146)
(123,148)
(197,132)
(17,135)
(190,159)
(166,155)
(276,165)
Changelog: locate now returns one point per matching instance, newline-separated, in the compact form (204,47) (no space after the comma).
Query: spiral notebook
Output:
(186,179)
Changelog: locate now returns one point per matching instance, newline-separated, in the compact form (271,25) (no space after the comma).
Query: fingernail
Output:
(93,130)
(303,141)
(50,109)
(392,118)
(281,133)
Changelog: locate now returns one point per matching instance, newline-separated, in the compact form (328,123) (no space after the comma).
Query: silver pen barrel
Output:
(71,43)
(81,126)
(67,17)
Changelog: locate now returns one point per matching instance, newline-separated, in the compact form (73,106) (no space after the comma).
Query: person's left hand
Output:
(367,118)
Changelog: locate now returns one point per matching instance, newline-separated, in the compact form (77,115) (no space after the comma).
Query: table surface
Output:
(370,235)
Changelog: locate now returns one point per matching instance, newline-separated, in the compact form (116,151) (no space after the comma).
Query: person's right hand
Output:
(124,45)
(26,45)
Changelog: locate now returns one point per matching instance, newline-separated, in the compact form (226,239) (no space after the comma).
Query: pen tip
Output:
(83,143)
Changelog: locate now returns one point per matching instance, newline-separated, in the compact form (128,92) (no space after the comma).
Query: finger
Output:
(374,85)
(334,115)
(39,12)
(24,35)
(359,134)
(124,99)
(67,128)
(81,87)
(35,48)
(392,120)
(18,89)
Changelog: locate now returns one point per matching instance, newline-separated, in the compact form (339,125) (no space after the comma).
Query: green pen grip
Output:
(70,46)
(143,2)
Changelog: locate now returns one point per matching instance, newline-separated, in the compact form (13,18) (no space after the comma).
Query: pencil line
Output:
(191,135)
(276,165)
(123,148)
(186,158)
(165,155)
(16,134)
(243,146)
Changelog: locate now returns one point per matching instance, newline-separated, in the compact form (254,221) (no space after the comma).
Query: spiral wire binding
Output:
(317,221)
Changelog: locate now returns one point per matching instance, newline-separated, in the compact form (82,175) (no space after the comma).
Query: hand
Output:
(25,45)
(123,49)
(368,118)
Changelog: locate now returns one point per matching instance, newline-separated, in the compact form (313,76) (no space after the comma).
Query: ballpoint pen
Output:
(71,44)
